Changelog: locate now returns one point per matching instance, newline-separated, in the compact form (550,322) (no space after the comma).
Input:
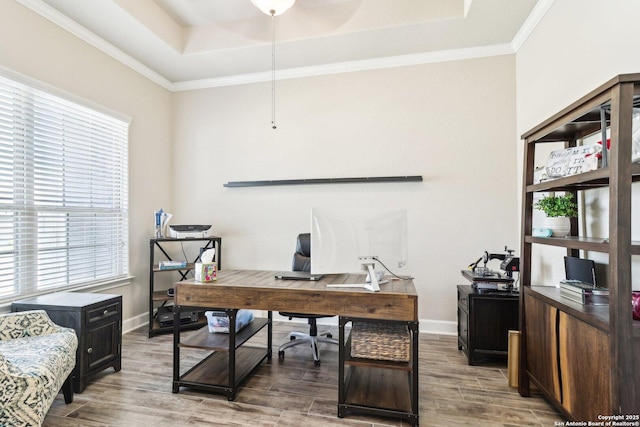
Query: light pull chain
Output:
(273,70)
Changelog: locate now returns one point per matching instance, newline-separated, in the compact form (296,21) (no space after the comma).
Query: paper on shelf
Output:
(207,256)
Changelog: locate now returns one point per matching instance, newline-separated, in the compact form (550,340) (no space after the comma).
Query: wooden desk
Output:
(397,301)
(260,290)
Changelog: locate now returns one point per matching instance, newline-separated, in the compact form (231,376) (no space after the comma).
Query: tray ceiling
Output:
(185,44)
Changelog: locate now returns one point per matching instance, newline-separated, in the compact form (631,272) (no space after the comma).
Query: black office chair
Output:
(302,262)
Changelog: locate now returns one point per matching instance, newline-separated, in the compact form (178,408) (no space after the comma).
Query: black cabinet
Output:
(97,320)
(484,321)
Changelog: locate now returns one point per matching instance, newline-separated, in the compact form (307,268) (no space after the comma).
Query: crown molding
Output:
(349,67)
(94,40)
(532,21)
(48,12)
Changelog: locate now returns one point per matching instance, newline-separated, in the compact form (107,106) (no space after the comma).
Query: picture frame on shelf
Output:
(572,161)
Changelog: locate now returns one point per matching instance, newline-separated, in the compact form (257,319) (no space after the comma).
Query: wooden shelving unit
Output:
(585,359)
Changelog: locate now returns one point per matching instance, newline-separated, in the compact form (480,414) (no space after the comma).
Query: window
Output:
(63,193)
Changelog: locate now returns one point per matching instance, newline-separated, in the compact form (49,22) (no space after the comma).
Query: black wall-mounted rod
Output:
(413,178)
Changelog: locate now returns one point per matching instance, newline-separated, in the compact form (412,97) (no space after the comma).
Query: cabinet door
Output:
(492,318)
(542,345)
(102,345)
(584,367)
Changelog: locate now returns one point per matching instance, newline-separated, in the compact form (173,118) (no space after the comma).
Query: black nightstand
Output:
(484,321)
(97,320)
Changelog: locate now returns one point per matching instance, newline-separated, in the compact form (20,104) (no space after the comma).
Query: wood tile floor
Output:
(292,392)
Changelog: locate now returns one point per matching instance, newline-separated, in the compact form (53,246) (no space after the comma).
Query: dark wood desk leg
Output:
(176,348)
(413,327)
(341,356)
(269,334)
(231,394)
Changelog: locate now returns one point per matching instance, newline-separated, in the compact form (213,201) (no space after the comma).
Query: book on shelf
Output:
(485,285)
(172,265)
(576,285)
(584,293)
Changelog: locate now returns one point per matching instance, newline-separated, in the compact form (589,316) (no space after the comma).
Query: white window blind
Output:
(63,193)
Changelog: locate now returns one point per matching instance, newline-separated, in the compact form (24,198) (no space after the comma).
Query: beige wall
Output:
(35,47)
(453,123)
(579,45)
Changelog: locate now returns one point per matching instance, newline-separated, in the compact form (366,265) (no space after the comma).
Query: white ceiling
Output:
(187,44)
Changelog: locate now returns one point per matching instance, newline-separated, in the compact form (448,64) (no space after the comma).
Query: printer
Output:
(165,316)
(189,231)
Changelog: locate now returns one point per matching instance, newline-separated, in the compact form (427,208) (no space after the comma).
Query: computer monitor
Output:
(580,269)
(349,240)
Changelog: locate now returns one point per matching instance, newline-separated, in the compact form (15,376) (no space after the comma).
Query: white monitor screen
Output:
(341,236)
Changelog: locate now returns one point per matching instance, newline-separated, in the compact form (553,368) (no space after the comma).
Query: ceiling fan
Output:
(273,7)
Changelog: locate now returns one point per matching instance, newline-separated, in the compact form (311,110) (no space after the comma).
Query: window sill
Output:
(5,306)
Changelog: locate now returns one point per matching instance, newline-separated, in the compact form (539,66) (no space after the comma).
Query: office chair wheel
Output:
(316,362)
(329,336)
(292,338)
(281,354)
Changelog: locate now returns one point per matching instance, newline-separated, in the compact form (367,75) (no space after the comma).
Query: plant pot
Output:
(560,226)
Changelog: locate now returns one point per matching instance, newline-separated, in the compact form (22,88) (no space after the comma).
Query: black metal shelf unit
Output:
(160,298)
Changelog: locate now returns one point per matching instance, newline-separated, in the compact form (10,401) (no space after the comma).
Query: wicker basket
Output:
(380,341)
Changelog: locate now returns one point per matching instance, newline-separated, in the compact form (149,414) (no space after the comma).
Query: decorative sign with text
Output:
(571,161)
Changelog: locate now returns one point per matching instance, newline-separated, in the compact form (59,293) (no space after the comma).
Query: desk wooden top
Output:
(260,290)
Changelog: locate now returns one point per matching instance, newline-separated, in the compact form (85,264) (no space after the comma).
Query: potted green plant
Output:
(558,210)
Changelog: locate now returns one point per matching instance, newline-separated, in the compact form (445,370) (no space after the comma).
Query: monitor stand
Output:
(373,286)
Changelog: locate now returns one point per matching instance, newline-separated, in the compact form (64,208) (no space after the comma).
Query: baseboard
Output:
(440,327)
(135,322)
